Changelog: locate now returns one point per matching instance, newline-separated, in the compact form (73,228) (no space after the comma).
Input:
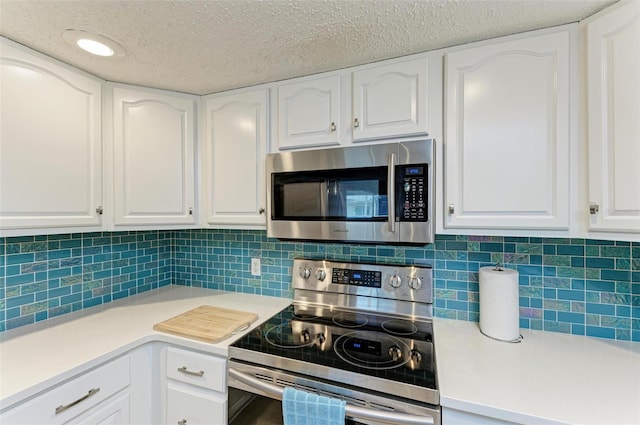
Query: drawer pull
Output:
(62,408)
(182,422)
(184,370)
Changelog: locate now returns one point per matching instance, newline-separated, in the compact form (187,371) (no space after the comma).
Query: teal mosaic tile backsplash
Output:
(584,287)
(42,277)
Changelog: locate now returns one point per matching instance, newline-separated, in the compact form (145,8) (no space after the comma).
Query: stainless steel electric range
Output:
(360,332)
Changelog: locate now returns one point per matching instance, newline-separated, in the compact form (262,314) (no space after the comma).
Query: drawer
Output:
(193,406)
(206,371)
(73,397)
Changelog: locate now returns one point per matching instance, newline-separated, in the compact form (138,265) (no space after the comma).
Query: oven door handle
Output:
(356,412)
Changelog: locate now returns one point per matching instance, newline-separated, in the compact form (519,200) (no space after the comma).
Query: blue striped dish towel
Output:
(303,408)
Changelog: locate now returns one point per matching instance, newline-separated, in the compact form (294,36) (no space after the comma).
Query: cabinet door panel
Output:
(235,149)
(309,113)
(613,49)
(153,159)
(390,100)
(197,407)
(111,412)
(50,144)
(507,143)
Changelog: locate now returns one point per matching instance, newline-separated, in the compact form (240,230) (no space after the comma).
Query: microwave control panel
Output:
(412,192)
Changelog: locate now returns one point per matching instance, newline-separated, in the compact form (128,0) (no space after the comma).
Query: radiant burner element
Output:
(399,327)
(282,337)
(350,320)
(371,350)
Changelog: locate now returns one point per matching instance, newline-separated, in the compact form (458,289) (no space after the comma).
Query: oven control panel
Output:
(394,282)
(368,278)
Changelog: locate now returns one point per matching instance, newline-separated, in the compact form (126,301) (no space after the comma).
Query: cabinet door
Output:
(235,149)
(507,135)
(84,395)
(309,113)
(390,100)
(191,406)
(114,411)
(50,143)
(153,158)
(613,49)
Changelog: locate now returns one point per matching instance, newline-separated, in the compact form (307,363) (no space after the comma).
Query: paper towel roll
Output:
(499,300)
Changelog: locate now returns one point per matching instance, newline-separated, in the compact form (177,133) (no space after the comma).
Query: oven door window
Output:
(331,195)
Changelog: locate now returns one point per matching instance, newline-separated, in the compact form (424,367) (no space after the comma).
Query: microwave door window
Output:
(360,199)
(332,195)
(303,199)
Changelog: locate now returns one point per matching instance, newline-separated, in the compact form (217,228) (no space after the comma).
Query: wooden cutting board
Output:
(207,323)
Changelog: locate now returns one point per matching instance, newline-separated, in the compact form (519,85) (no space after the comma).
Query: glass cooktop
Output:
(315,340)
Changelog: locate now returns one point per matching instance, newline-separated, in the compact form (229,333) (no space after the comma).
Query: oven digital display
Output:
(358,345)
(368,278)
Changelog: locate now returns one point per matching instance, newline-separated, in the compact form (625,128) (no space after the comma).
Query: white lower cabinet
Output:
(98,396)
(112,412)
(188,405)
(196,388)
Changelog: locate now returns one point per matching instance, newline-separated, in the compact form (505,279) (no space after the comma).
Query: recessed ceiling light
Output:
(93,43)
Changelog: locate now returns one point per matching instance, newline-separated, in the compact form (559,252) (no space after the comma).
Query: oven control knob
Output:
(321,274)
(415,283)
(395,281)
(395,353)
(416,357)
(305,273)
(321,338)
(304,336)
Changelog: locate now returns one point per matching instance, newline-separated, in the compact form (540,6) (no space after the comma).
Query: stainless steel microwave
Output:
(381,193)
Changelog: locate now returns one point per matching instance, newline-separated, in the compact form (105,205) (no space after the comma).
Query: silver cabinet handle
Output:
(356,123)
(99,210)
(333,127)
(184,370)
(182,422)
(351,410)
(190,210)
(593,208)
(391,191)
(64,407)
(452,209)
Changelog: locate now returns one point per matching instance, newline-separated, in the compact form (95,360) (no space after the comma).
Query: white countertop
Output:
(34,357)
(547,378)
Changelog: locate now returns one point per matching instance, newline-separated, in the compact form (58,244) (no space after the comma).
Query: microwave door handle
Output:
(391,191)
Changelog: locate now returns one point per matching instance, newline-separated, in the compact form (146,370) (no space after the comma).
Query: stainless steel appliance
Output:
(360,332)
(376,193)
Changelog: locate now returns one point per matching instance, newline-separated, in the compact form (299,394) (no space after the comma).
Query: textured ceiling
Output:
(209,46)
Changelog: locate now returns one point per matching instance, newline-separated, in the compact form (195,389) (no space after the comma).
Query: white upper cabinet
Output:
(234,150)
(367,103)
(613,55)
(153,158)
(309,113)
(507,135)
(50,144)
(390,100)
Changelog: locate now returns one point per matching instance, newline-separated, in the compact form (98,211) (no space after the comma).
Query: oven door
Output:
(255,395)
